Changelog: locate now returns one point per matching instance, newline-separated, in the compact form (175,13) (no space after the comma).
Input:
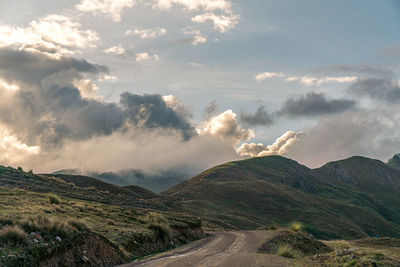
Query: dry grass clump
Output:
(54,199)
(49,226)
(158,223)
(13,235)
(288,252)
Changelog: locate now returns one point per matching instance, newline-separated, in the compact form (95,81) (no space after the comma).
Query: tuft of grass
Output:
(288,252)
(54,199)
(13,235)
(296,226)
(159,224)
(50,226)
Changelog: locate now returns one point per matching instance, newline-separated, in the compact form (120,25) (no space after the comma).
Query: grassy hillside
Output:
(117,221)
(260,192)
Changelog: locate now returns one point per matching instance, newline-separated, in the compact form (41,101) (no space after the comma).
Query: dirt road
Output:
(222,249)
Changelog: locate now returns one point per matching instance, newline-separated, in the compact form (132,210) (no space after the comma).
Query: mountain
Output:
(394,162)
(352,198)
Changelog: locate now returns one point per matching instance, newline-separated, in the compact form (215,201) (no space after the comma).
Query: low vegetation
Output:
(159,224)
(13,236)
(288,252)
(296,226)
(54,199)
(295,243)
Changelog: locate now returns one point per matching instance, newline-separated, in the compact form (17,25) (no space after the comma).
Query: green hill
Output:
(353,198)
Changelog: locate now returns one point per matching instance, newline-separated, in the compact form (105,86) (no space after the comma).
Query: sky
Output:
(153,85)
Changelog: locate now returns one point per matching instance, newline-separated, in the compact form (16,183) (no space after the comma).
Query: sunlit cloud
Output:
(221,23)
(143,56)
(112,8)
(53,34)
(305,80)
(279,147)
(148,33)
(116,50)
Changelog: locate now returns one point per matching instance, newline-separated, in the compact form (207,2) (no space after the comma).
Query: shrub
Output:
(13,235)
(287,252)
(296,226)
(54,199)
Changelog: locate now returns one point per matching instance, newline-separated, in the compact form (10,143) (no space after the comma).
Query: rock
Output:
(58,239)
(85,259)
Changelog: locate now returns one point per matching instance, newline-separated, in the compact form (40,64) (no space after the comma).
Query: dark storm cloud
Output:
(48,108)
(379,89)
(151,111)
(260,118)
(314,104)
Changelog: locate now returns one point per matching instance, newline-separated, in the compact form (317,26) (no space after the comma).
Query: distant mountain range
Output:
(157,182)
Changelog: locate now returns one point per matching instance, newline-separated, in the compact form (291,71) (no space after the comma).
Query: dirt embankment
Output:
(86,250)
(142,245)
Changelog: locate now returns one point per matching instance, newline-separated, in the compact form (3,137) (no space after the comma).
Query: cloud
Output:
(225,126)
(211,110)
(148,33)
(196,36)
(370,133)
(53,35)
(13,150)
(15,65)
(314,104)
(391,51)
(305,80)
(152,111)
(261,117)
(195,64)
(363,70)
(380,89)
(116,50)
(208,5)
(146,56)
(279,147)
(221,23)
(4,85)
(57,103)
(112,8)
(266,75)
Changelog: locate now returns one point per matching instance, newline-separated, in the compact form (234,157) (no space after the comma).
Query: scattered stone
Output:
(58,239)
(85,259)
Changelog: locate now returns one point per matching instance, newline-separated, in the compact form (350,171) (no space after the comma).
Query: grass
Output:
(33,212)
(54,199)
(296,226)
(159,224)
(13,236)
(287,251)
